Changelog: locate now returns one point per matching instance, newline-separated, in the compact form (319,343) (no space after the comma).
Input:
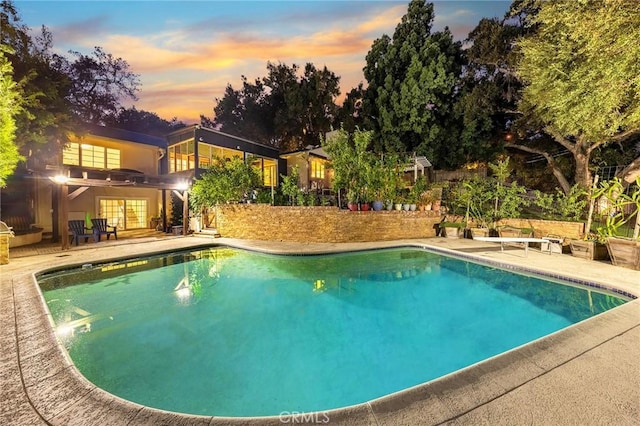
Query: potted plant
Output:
(623,206)
(351,162)
(426,200)
(571,206)
(374,185)
(352,199)
(591,247)
(389,179)
(452,228)
(418,190)
(474,198)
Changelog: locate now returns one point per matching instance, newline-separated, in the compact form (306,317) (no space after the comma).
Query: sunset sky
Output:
(186,52)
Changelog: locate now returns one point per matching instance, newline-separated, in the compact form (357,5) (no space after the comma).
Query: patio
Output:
(587,374)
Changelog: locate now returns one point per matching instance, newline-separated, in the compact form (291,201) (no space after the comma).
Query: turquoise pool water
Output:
(237,333)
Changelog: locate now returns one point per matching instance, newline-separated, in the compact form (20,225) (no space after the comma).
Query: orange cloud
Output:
(182,76)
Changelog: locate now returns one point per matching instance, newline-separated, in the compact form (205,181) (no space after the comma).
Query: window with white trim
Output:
(86,155)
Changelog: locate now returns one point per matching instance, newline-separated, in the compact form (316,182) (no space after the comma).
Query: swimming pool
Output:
(237,333)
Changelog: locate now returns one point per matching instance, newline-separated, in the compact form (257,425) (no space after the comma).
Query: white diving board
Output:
(524,240)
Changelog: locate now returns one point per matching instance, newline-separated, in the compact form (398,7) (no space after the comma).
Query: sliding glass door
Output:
(124,213)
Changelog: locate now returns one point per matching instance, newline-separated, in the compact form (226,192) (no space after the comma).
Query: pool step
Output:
(211,232)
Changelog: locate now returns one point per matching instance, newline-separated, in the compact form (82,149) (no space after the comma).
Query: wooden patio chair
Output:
(78,230)
(101,228)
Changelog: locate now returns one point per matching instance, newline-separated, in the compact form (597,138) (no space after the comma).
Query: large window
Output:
(85,155)
(267,168)
(206,154)
(182,157)
(317,169)
(124,213)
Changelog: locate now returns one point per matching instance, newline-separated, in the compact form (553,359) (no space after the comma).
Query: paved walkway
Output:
(587,374)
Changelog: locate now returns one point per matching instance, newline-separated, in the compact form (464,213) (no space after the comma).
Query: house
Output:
(192,149)
(313,164)
(127,177)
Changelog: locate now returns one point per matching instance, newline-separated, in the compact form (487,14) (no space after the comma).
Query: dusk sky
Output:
(186,52)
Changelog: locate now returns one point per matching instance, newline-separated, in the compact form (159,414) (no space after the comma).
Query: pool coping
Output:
(59,394)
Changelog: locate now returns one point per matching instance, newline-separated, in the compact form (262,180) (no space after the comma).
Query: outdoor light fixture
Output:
(61,179)
(182,186)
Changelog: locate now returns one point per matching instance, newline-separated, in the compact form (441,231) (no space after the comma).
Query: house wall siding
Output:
(322,224)
(135,156)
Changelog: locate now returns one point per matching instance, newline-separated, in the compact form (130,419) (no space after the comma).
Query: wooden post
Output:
(64,216)
(185,212)
(591,205)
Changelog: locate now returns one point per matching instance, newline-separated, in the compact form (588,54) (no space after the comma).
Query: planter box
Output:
(480,232)
(590,250)
(624,252)
(452,232)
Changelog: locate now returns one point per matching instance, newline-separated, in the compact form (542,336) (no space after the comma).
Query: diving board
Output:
(524,240)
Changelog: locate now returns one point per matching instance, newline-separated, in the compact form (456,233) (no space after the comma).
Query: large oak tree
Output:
(582,74)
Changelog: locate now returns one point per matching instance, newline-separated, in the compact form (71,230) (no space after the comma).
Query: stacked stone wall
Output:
(322,224)
(329,224)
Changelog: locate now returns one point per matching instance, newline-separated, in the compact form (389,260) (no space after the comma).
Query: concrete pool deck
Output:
(587,374)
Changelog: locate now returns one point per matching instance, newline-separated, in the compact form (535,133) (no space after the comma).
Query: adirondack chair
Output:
(101,228)
(78,230)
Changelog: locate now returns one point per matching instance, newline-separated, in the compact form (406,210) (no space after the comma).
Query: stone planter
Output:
(590,250)
(480,232)
(452,232)
(624,252)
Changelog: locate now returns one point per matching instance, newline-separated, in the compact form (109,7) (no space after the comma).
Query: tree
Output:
(9,107)
(350,158)
(45,120)
(413,80)
(489,87)
(142,121)
(245,112)
(281,109)
(223,182)
(351,115)
(582,73)
(99,83)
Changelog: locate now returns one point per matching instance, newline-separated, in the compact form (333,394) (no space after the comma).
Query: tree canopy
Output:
(99,83)
(226,180)
(142,121)
(9,107)
(581,70)
(289,108)
(45,118)
(412,90)
(59,95)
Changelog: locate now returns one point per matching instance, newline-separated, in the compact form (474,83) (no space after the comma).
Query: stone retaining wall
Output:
(330,224)
(4,249)
(543,228)
(322,224)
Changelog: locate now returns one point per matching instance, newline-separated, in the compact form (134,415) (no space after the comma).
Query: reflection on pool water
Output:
(228,332)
